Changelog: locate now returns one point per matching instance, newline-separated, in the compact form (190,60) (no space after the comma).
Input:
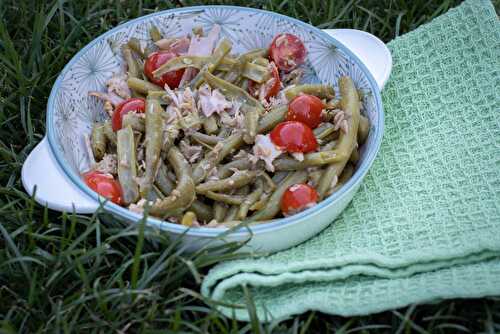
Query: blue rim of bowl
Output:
(206,231)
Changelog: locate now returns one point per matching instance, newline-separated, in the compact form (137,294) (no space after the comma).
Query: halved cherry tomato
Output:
(287,51)
(105,185)
(133,104)
(271,87)
(155,60)
(297,198)
(294,136)
(306,109)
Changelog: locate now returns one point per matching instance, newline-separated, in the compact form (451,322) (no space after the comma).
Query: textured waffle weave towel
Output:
(425,224)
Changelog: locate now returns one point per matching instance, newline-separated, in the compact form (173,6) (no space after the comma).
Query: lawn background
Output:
(72,273)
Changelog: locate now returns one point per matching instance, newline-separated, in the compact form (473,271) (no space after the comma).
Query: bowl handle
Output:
(369,49)
(53,188)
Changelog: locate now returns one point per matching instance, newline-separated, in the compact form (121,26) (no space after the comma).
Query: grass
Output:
(73,273)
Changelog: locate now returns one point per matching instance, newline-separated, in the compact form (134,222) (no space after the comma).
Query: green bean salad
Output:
(201,136)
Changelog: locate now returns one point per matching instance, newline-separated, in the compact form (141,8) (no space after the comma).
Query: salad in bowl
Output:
(214,124)
(203,136)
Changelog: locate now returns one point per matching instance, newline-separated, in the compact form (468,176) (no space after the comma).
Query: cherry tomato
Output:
(105,185)
(271,88)
(294,136)
(306,109)
(133,104)
(287,51)
(155,60)
(297,198)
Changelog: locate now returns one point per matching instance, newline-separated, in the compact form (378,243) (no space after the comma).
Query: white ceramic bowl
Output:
(55,166)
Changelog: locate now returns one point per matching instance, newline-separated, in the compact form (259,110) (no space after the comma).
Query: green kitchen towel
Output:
(425,224)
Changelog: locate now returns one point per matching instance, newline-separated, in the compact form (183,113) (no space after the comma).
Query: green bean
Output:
(137,94)
(254,54)
(328,178)
(154,195)
(310,160)
(184,194)
(288,164)
(231,91)
(155,33)
(261,203)
(350,105)
(272,208)
(231,213)
(328,146)
(261,61)
(332,137)
(160,95)
(210,125)
(315,177)
(190,120)
(233,210)
(127,169)
(219,53)
(109,133)
(269,120)
(251,124)
(256,72)
(343,178)
(354,156)
(214,157)
(188,219)
(206,139)
(202,210)
(135,121)
(225,198)
(171,132)
(182,62)
(197,62)
(363,130)
(321,91)
(142,86)
(98,141)
(208,63)
(228,169)
(235,72)
(162,181)
(324,130)
(251,199)
(220,210)
(270,183)
(237,180)
(346,174)
(135,45)
(279,176)
(224,132)
(153,142)
(226,64)
(244,84)
(133,69)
